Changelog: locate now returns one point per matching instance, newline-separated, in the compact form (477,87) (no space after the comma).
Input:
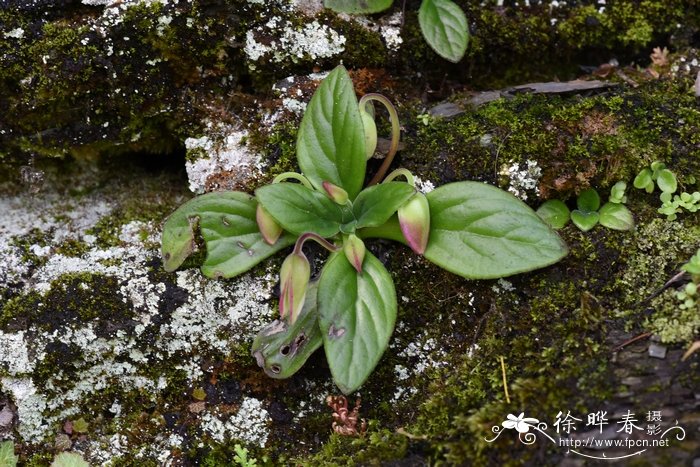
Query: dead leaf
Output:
(197,407)
(659,56)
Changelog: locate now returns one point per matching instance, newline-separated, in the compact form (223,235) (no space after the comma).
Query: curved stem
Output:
(317,238)
(296,176)
(399,172)
(395,133)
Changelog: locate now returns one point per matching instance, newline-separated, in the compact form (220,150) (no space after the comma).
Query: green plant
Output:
(7,454)
(671,204)
(69,459)
(689,295)
(471,229)
(613,214)
(442,22)
(241,457)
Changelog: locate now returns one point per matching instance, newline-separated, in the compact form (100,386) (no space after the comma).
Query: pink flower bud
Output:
(269,228)
(294,280)
(336,193)
(414,219)
(354,249)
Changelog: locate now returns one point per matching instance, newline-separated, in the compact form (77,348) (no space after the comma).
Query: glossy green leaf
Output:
(376,204)
(616,216)
(555,213)
(356,7)
(7,454)
(444,27)
(667,181)
(357,313)
(481,232)
(69,459)
(331,140)
(585,220)
(299,209)
(588,200)
(280,348)
(226,222)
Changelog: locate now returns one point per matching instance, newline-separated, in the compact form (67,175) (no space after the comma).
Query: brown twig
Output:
(631,341)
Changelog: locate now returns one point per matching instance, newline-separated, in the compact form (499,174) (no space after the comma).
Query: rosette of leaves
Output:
(588,213)
(472,229)
(442,22)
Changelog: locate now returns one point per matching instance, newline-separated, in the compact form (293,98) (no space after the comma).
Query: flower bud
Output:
(269,228)
(336,193)
(294,280)
(370,133)
(414,219)
(354,249)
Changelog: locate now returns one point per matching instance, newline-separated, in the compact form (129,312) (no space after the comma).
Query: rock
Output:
(657,350)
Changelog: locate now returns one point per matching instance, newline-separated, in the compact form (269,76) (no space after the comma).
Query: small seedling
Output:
(468,228)
(689,295)
(671,204)
(613,214)
(657,172)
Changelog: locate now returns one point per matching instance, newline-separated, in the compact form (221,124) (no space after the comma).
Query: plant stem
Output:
(395,133)
(318,239)
(296,176)
(399,172)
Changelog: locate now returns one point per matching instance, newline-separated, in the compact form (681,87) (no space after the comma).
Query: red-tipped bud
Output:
(336,193)
(294,280)
(354,250)
(269,228)
(370,133)
(414,219)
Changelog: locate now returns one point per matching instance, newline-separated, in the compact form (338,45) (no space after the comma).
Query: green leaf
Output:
(376,204)
(666,197)
(299,209)
(331,140)
(444,27)
(616,216)
(481,232)
(617,193)
(69,459)
(357,317)
(643,179)
(280,348)
(226,221)
(7,454)
(667,181)
(588,200)
(555,213)
(585,220)
(356,7)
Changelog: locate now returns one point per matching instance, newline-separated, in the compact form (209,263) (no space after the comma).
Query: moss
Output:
(74,298)
(376,447)
(658,251)
(671,323)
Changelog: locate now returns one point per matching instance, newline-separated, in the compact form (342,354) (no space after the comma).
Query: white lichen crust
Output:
(160,338)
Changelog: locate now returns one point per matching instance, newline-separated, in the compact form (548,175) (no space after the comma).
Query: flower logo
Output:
(520,423)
